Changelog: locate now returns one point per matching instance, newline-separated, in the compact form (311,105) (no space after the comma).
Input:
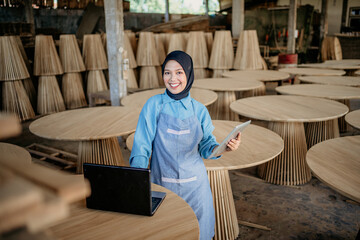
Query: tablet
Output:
(222,147)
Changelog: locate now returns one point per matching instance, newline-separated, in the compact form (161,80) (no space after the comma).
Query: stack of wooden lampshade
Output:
(72,84)
(148,60)
(248,55)
(28,83)
(209,41)
(222,53)
(132,38)
(47,65)
(160,48)
(196,47)
(177,42)
(95,62)
(130,72)
(12,71)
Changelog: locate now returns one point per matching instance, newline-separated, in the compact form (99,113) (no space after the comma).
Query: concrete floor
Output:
(310,211)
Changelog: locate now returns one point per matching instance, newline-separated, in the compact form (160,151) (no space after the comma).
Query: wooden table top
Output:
(349,81)
(87,123)
(227,84)
(138,99)
(330,65)
(258,145)
(313,71)
(284,108)
(173,220)
(9,125)
(12,152)
(320,90)
(260,75)
(353,118)
(336,162)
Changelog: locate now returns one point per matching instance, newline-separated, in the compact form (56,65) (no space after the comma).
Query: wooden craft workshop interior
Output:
(75,75)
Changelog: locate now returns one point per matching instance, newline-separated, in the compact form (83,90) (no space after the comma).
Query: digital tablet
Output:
(221,148)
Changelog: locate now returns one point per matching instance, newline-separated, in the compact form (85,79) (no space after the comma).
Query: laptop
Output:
(121,189)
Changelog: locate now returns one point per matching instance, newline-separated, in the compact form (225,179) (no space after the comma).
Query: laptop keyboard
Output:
(154,203)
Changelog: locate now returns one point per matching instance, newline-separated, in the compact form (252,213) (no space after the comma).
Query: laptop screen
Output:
(119,189)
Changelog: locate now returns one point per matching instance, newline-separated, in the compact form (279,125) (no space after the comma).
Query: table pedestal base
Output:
(317,132)
(226,224)
(342,124)
(220,109)
(104,151)
(289,168)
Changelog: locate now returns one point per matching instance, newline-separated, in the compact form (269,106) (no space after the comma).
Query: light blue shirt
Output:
(182,109)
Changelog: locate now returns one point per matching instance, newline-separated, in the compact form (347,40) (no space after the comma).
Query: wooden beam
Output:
(114,20)
(323,24)
(292,27)
(167,18)
(238,16)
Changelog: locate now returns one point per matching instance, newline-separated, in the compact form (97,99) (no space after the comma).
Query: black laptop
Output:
(121,189)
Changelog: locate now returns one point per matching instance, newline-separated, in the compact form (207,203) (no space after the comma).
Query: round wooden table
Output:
(336,162)
(258,145)
(96,129)
(312,71)
(173,220)
(357,73)
(286,115)
(353,119)
(260,75)
(12,152)
(225,89)
(332,80)
(348,66)
(339,93)
(138,99)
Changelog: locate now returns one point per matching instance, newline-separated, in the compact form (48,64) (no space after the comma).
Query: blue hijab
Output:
(187,64)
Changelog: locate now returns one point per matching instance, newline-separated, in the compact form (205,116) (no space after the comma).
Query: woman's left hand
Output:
(234,143)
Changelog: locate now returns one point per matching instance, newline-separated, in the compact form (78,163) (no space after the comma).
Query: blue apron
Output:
(177,165)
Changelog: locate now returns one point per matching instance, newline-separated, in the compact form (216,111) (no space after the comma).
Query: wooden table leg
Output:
(317,132)
(343,126)
(220,109)
(104,151)
(289,168)
(226,224)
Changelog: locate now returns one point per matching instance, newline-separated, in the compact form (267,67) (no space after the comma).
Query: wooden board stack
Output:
(72,84)
(33,196)
(147,58)
(196,47)
(222,53)
(47,65)
(12,71)
(95,62)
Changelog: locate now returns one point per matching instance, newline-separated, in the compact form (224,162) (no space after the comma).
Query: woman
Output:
(177,131)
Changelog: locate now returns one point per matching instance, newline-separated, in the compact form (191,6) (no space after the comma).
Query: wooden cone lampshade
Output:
(248,55)
(30,90)
(73,91)
(132,39)
(93,52)
(166,40)
(70,55)
(12,64)
(96,83)
(200,73)
(23,53)
(130,53)
(209,41)
(50,99)
(149,77)
(15,100)
(131,81)
(222,53)
(146,53)
(46,59)
(160,48)
(197,49)
(177,42)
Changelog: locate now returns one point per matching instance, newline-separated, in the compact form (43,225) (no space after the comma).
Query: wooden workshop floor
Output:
(310,211)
